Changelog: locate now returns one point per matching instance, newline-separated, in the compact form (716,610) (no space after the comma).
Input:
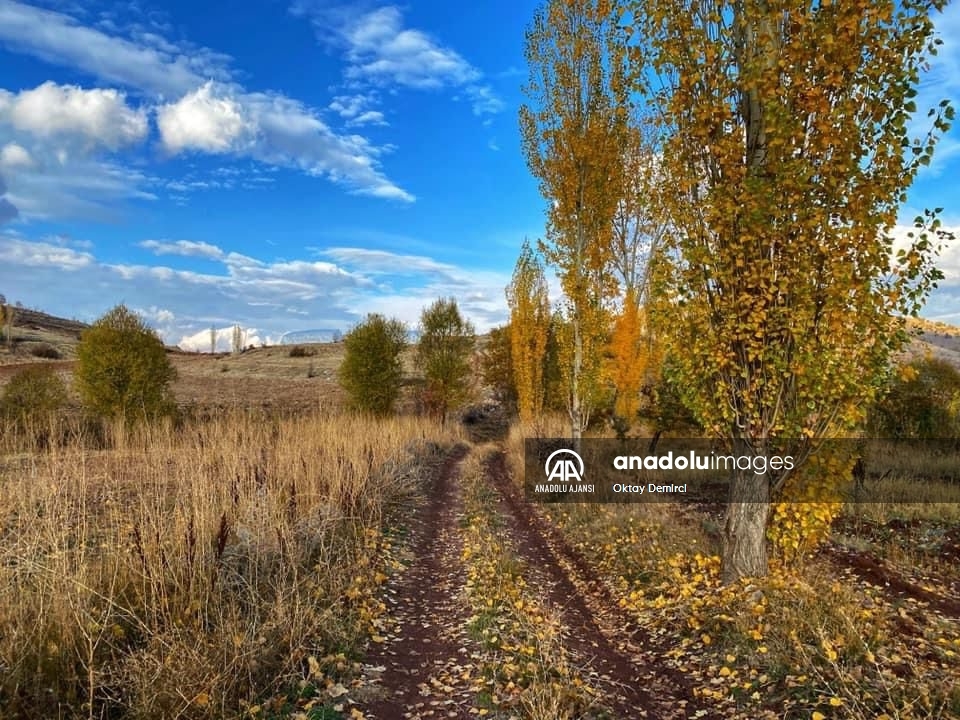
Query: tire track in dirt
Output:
(875,572)
(419,672)
(635,683)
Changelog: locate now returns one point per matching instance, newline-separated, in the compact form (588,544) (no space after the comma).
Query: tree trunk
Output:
(745,530)
(576,401)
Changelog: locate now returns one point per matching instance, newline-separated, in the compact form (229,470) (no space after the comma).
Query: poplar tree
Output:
(787,149)
(529,327)
(573,136)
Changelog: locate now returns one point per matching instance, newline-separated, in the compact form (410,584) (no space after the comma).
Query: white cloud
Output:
(27,254)
(202,108)
(97,116)
(186,248)
(200,341)
(61,186)
(58,38)
(379,262)
(484,100)
(14,156)
(207,119)
(8,211)
(273,296)
(381,52)
(370,117)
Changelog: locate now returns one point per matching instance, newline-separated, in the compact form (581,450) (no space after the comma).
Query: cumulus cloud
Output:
(382,50)
(207,119)
(97,116)
(202,107)
(13,155)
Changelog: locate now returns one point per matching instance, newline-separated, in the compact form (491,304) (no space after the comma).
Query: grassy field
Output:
(191,573)
(238,564)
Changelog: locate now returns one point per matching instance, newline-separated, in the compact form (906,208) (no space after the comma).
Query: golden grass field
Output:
(240,563)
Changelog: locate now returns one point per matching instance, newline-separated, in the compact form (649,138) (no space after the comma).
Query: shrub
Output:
(33,395)
(371,371)
(923,402)
(122,368)
(45,350)
(299,351)
(443,354)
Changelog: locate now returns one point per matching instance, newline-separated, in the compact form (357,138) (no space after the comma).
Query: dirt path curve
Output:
(422,666)
(634,681)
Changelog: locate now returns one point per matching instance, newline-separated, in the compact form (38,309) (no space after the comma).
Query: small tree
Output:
(496,366)
(239,336)
(7,315)
(446,343)
(371,371)
(122,368)
(923,402)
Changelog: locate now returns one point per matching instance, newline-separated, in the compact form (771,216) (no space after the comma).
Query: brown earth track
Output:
(873,571)
(637,683)
(424,653)
(60,365)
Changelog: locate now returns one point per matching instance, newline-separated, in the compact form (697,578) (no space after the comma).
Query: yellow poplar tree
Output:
(627,357)
(573,134)
(529,327)
(787,149)
(638,229)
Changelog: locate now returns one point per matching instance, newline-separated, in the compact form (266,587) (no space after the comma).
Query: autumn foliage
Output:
(529,328)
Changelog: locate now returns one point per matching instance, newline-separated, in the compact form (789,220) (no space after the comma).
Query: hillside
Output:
(33,329)
(35,333)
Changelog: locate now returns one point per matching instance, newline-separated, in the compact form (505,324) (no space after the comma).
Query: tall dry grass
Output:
(189,572)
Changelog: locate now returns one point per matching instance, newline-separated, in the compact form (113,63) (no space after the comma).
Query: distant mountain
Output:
(319,335)
(326,335)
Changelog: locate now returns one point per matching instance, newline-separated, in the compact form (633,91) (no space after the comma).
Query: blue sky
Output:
(288,164)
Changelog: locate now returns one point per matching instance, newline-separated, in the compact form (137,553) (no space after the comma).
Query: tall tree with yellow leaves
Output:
(639,226)
(628,357)
(788,152)
(573,135)
(529,328)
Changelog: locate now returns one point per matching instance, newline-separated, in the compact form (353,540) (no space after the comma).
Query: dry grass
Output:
(188,573)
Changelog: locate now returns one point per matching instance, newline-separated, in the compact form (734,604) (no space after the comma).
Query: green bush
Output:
(32,396)
(299,351)
(122,368)
(923,402)
(496,367)
(45,350)
(371,371)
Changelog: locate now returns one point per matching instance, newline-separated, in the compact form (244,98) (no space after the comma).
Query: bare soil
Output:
(419,671)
